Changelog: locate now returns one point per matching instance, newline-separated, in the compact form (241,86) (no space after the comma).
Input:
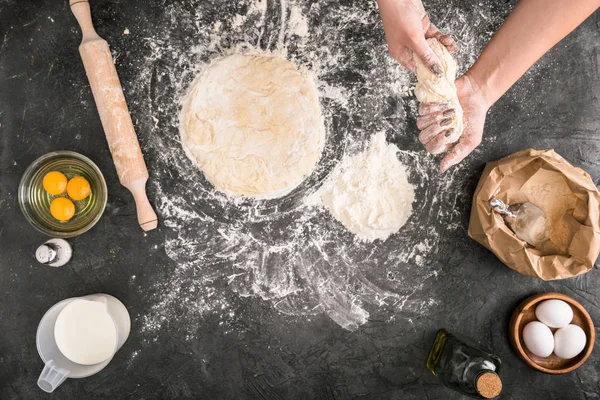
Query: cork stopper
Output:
(488,385)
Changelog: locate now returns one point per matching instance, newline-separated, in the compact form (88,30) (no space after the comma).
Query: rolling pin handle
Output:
(81,10)
(146,216)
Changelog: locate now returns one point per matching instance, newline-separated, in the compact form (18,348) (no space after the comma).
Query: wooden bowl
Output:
(525,313)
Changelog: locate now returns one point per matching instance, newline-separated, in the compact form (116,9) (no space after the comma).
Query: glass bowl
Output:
(35,201)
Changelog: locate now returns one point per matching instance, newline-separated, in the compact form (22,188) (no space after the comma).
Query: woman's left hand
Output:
(434,119)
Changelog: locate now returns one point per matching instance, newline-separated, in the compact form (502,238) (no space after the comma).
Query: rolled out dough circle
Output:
(252,123)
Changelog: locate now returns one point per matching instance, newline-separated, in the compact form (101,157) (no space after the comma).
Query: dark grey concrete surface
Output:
(268,355)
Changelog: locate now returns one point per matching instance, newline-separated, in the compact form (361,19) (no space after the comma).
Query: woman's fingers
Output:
(440,142)
(426,55)
(458,153)
(433,118)
(444,39)
(447,41)
(432,131)
(435,125)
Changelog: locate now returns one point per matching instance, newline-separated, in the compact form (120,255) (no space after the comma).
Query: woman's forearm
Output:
(533,27)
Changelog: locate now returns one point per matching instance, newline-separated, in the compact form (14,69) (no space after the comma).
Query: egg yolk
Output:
(55,182)
(78,188)
(62,209)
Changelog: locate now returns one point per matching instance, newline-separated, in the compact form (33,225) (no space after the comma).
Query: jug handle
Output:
(51,377)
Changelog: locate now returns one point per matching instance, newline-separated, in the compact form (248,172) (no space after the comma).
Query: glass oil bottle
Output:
(463,366)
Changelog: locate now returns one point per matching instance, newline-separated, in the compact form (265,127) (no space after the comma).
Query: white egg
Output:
(538,339)
(569,341)
(554,313)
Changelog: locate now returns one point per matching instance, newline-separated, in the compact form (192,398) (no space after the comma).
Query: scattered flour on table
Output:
(369,192)
(297,22)
(291,254)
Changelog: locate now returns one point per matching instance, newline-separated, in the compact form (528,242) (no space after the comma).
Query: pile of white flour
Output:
(369,192)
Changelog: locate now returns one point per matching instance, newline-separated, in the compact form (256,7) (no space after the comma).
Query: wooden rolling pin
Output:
(116,121)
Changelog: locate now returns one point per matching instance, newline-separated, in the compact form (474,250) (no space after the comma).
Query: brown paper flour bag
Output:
(565,193)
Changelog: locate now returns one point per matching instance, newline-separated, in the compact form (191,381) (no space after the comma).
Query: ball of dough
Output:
(253,124)
(440,89)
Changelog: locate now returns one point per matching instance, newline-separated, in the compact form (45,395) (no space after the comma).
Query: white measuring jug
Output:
(58,367)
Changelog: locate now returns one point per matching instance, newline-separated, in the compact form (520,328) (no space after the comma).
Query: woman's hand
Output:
(434,119)
(407,27)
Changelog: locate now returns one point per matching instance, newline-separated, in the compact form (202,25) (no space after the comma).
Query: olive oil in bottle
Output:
(463,366)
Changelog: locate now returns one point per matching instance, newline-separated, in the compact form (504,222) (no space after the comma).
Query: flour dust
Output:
(292,255)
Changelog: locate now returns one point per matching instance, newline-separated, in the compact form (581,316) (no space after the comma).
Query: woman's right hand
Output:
(407,28)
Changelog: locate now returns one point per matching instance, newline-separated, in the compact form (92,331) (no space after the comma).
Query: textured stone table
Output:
(253,350)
